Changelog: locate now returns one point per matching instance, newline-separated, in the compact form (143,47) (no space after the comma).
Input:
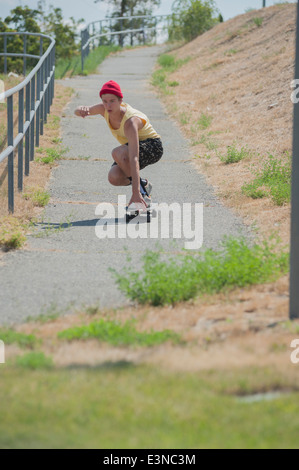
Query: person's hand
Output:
(138,200)
(82,111)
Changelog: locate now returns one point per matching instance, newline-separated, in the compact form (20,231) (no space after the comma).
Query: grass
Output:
(186,276)
(167,65)
(34,360)
(69,68)
(51,154)
(122,406)
(10,336)
(258,21)
(12,233)
(272,180)
(118,334)
(204,121)
(38,196)
(234,155)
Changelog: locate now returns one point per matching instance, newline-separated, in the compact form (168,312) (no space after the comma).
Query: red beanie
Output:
(111,88)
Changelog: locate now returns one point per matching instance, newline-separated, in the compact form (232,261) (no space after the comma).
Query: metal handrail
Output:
(39,93)
(87,38)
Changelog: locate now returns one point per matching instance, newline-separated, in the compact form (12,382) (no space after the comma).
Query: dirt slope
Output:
(240,74)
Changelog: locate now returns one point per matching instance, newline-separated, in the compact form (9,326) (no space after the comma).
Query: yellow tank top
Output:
(147,132)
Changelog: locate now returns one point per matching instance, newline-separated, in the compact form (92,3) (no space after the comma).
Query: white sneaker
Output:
(148,188)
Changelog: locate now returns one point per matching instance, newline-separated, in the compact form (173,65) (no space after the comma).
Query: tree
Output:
(21,19)
(190,18)
(123,8)
(25,19)
(65,34)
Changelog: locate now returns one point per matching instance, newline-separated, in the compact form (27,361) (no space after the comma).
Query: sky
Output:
(90,11)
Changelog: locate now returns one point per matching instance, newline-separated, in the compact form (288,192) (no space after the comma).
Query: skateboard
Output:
(133,211)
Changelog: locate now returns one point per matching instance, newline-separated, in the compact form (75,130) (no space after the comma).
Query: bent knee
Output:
(120,153)
(113,178)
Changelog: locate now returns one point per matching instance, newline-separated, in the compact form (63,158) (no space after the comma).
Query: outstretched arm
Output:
(84,111)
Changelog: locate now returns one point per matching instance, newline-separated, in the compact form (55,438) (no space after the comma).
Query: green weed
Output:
(204,121)
(231,52)
(39,197)
(168,64)
(184,118)
(186,276)
(53,121)
(11,239)
(258,21)
(53,154)
(10,336)
(118,334)
(35,361)
(235,155)
(272,180)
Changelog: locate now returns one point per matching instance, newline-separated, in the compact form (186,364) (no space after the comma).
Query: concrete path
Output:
(65,265)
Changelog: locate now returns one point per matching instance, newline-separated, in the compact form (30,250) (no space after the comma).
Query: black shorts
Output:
(150,152)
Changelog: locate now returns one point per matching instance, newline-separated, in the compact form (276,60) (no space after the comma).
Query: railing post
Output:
(143,31)
(5,52)
(294,252)
(24,54)
(20,147)
(32,96)
(44,88)
(121,36)
(38,109)
(27,134)
(53,76)
(41,47)
(48,84)
(41,121)
(11,155)
(82,51)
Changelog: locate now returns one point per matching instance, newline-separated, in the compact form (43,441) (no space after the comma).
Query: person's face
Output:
(111,103)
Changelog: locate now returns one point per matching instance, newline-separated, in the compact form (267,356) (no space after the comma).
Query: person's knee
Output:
(113,178)
(119,154)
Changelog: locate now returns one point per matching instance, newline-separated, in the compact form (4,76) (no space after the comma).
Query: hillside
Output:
(239,75)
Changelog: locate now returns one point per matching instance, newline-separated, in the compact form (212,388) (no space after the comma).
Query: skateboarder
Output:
(140,144)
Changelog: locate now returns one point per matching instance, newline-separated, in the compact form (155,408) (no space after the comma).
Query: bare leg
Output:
(121,156)
(116,177)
